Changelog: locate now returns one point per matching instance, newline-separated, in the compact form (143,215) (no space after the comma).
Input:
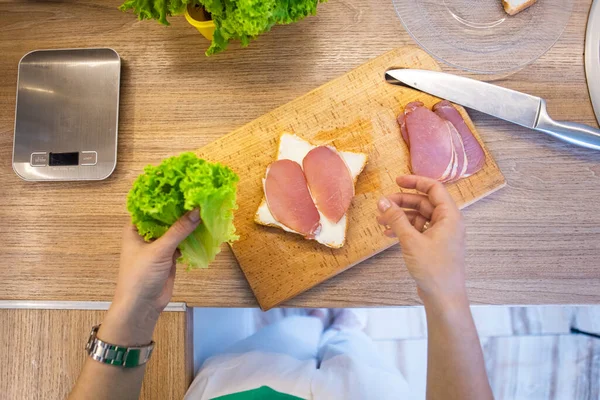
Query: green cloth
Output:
(262,393)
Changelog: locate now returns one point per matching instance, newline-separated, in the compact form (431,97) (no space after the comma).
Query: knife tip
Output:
(390,79)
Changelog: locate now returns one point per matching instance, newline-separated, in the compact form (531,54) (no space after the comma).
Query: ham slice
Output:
(432,153)
(330,182)
(460,156)
(412,106)
(473,150)
(454,168)
(402,122)
(288,198)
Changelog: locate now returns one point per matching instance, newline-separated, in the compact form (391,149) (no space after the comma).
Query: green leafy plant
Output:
(156,9)
(163,193)
(234,19)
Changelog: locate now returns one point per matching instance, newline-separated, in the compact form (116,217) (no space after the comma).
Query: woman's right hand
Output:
(431,232)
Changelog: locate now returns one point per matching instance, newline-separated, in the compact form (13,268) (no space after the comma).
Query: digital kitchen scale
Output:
(67,113)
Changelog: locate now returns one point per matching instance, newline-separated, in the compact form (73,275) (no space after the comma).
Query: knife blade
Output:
(510,105)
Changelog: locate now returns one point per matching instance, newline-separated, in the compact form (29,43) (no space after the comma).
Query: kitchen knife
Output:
(510,105)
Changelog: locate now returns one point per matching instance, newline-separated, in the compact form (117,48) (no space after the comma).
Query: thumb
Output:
(395,217)
(180,230)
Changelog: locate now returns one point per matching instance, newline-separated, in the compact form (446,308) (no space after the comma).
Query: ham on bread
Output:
(330,182)
(441,144)
(288,198)
(329,178)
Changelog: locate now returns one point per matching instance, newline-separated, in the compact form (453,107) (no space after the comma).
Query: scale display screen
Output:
(58,159)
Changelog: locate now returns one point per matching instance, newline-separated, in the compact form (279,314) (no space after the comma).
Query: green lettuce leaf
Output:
(156,9)
(163,193)
(245,19)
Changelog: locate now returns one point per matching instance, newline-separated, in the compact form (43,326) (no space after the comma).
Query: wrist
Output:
(445,302)
(126,324)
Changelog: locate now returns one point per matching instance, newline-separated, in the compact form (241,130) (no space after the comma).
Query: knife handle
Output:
(571,132)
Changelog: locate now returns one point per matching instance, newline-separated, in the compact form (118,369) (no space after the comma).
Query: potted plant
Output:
(197,16)
(223,21)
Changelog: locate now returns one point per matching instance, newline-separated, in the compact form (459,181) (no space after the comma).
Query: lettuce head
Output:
(163,193)
(244,20)
(241,20)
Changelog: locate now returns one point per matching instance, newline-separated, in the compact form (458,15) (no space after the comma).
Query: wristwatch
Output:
(126,357)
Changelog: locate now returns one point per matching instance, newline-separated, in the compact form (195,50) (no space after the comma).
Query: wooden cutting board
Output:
(355,112)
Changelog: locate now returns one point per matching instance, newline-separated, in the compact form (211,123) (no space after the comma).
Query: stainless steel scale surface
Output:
(66,119)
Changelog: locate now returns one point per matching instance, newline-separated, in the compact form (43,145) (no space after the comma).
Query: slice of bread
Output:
(292,147)
(513,7)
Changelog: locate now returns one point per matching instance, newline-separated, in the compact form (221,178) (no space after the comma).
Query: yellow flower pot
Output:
(197,17)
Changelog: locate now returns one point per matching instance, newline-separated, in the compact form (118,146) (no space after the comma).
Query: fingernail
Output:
(194,215)
(383,204)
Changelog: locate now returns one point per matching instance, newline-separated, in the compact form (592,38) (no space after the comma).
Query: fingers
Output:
(419,222)
(395,217)
(435,190)
(414,217)
(414,201)
(130,234)
(180,230)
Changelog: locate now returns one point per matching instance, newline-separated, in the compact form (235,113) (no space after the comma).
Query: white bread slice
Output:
(292,147)
(513,7)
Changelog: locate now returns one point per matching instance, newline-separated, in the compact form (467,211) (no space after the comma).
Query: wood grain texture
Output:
(356,112)
(535,241)
(45,350)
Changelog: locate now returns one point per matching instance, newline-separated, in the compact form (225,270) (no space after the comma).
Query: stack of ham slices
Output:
(308,190)
(441,144)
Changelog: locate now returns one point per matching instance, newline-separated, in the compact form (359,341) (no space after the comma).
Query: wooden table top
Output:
(50,344)
(535,241)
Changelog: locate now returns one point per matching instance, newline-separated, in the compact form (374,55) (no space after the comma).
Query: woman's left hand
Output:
(145,283)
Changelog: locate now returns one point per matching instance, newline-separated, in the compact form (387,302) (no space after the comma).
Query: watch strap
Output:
(122,356)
